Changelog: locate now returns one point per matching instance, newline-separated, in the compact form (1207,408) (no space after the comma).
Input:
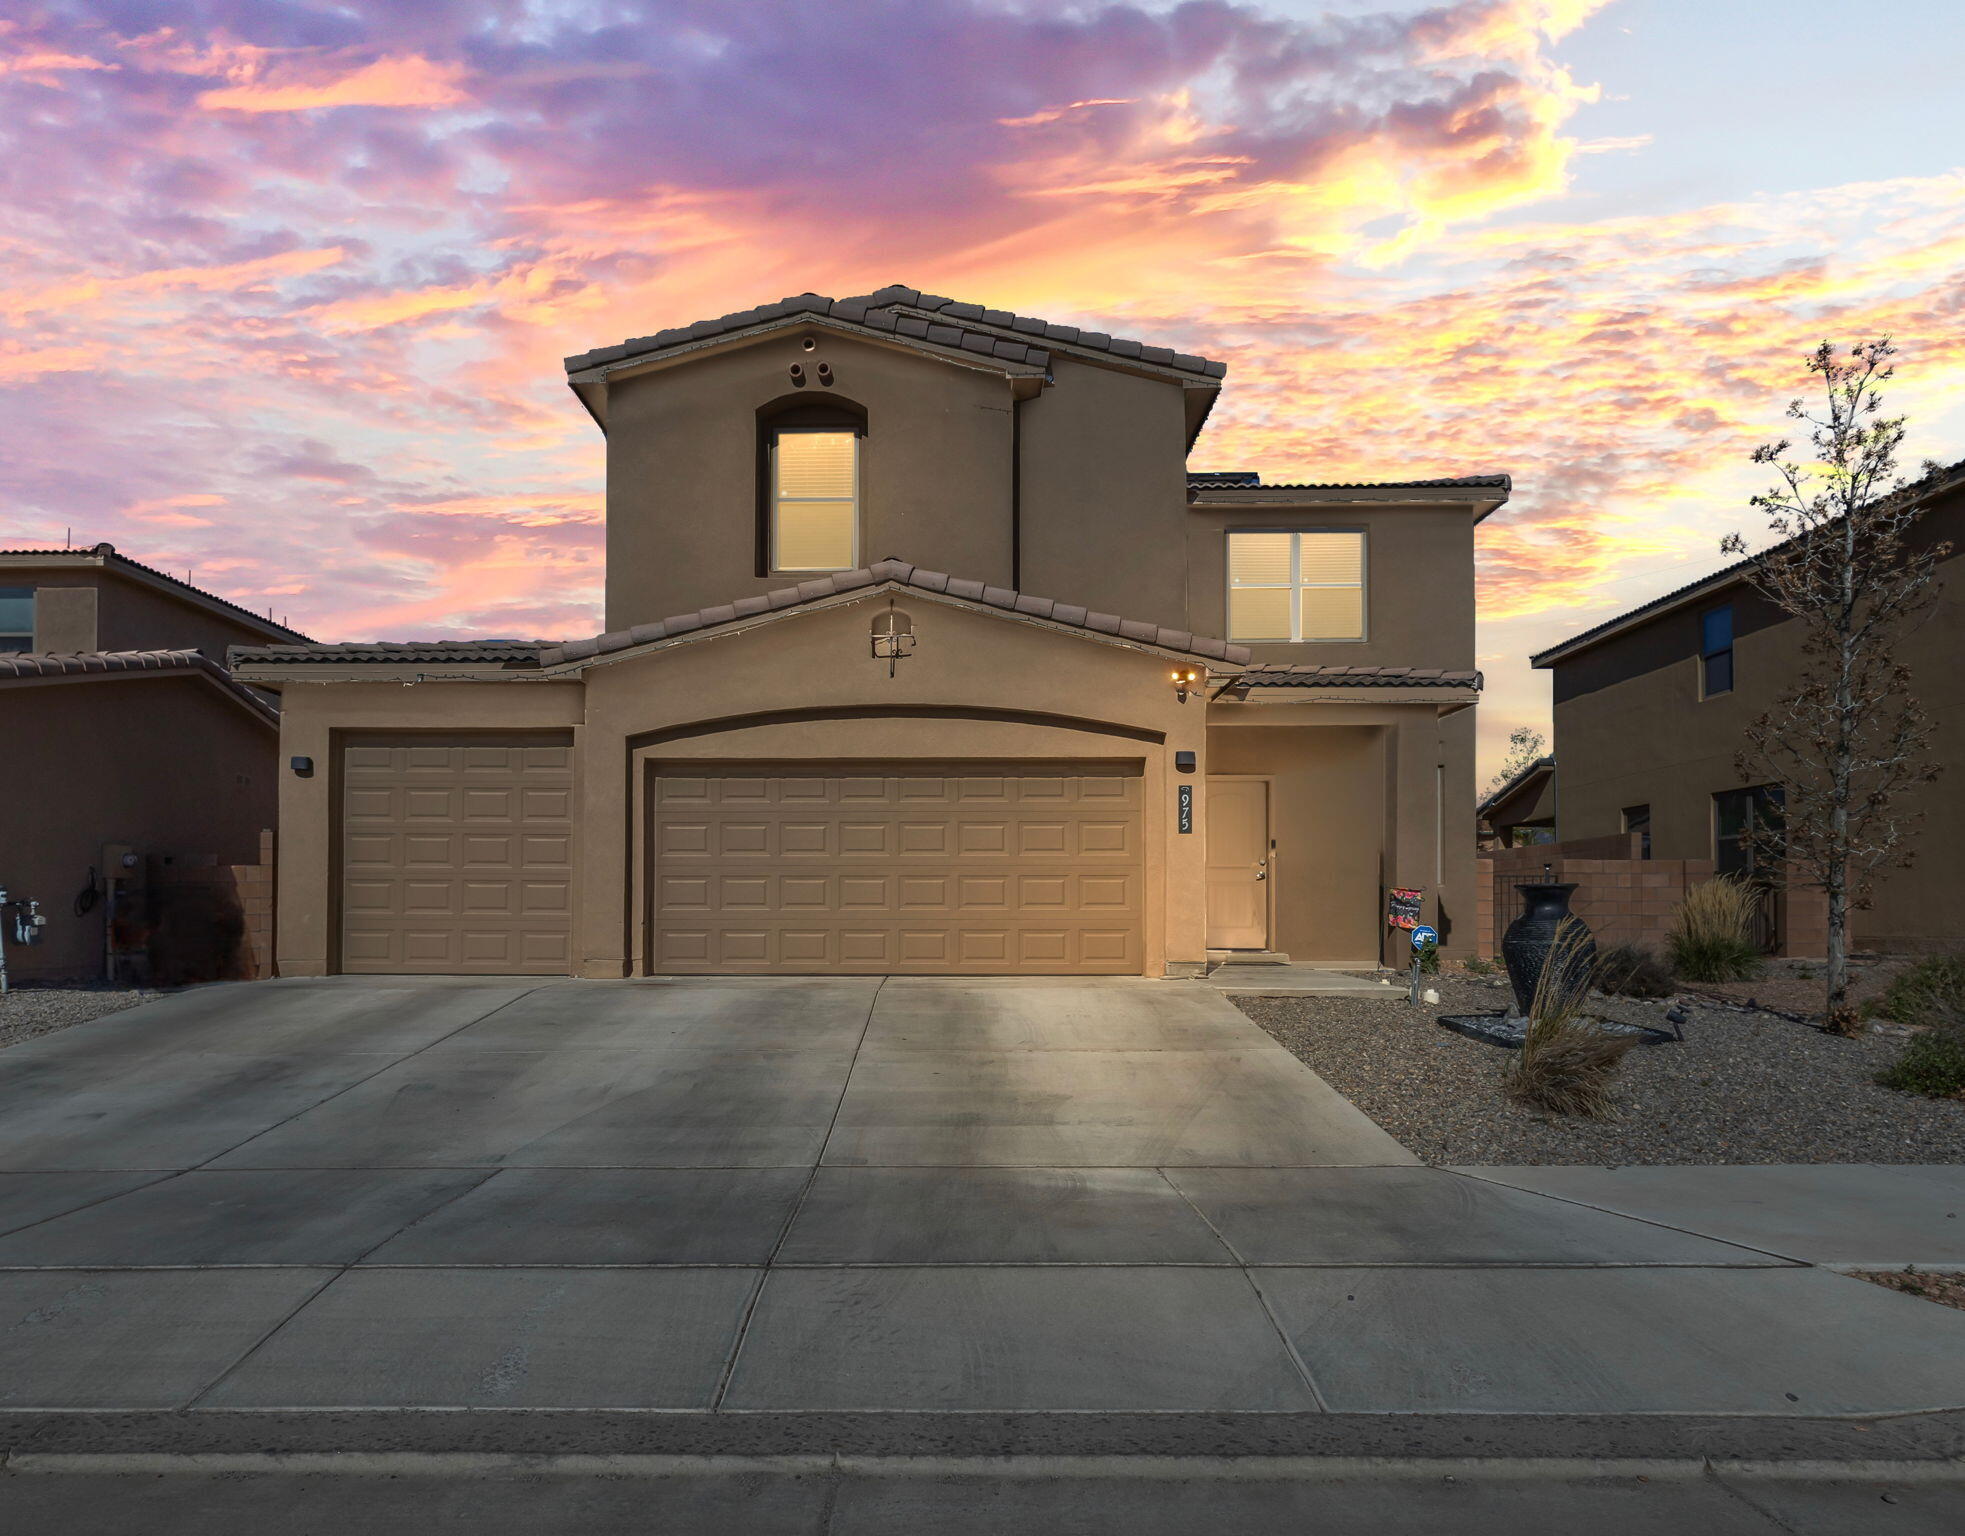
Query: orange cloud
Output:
(404,81)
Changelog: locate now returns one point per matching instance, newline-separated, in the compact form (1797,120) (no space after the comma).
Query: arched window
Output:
(809,483)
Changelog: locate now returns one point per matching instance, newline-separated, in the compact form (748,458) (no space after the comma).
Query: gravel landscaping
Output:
(28,1012)
(1947,1290)
(1741,1088)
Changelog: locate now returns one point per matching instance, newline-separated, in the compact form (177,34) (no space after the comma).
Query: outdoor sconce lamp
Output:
(1186,680)
(1184,762)
(893,636)
(303,767)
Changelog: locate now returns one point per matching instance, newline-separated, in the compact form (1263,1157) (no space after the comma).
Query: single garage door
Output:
(979,869)
(457,855)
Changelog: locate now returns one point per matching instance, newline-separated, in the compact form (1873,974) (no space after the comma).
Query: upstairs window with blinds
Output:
(815,499)
(1296,586)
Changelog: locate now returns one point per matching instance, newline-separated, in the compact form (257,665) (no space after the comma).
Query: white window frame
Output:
(776,497)
(1296,586)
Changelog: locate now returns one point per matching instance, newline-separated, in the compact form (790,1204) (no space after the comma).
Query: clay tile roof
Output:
(1285,675)
(513,653)
(901,574)
(970,327)
(19,666)
(1210,479)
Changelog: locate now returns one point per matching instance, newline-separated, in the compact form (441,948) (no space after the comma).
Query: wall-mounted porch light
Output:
(892,636)
(1186,680)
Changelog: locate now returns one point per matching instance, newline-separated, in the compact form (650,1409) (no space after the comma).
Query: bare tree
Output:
(1525,748)
(1847,739)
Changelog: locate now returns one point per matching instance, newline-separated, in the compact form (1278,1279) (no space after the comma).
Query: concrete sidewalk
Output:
(816,1200)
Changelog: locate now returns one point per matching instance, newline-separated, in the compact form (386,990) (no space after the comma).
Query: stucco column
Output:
(306,835)
(1413,831)
(1187,852)
(601,917)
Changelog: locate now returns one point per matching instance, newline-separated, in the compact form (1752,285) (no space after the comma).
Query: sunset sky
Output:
(284,288)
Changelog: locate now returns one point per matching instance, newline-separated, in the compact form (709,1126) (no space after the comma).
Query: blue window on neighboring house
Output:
(1716,651)
(16,618)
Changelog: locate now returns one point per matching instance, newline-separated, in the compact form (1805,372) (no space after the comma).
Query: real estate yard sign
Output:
(1403,907)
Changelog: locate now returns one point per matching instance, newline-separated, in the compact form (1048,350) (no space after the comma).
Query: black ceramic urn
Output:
(1530,938)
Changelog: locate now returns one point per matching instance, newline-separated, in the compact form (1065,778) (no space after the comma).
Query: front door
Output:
(1238,864)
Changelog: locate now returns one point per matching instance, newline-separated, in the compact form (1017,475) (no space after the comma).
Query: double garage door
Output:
(974,869)
(457,857)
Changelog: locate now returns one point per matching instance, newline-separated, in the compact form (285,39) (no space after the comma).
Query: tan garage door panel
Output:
(457,857)
(972,871)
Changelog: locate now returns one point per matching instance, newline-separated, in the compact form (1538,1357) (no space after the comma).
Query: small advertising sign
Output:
(1403,907)
(1422,936)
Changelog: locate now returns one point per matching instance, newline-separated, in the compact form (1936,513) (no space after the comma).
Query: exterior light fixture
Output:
(892,636)
(1186,680)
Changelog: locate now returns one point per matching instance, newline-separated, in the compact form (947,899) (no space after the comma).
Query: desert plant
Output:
(1624,970)
(1429,958)
(1932,993)
(1476,965)
(1712,927)
(1566,1062)
(1932,1064)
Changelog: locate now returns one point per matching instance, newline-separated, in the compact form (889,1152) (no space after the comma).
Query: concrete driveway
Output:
(733,1197)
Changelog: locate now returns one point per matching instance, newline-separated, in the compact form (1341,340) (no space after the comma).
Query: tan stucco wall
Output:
(168,765)
(682,468)
(1419,581)
(1104,479)
(1650,739)
(1044,695)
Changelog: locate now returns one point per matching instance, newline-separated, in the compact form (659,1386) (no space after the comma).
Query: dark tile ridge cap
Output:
(899,573)
(1522,775)
(107,554)
(510,652)
(1234,481)
(860,311)
(1273,674)
(21,665)
(1941,478)
(1030,325)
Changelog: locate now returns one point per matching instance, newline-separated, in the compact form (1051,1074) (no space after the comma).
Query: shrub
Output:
(1474,965)
(1933,1065)
(1932,992)
(1566,1063)
(1429,959)
(1712,928)
(1627,971)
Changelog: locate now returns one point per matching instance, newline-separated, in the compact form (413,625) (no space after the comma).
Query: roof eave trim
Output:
(680,351)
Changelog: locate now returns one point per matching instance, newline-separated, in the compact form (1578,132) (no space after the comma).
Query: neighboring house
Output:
(1651,708)
(120,728)
(1522,810)
(832,728)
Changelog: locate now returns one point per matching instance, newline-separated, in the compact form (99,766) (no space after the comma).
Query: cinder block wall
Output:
(1624,898)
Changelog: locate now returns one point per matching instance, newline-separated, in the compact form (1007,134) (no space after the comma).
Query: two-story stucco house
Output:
(924,653)
(1652,708)
(120,729)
